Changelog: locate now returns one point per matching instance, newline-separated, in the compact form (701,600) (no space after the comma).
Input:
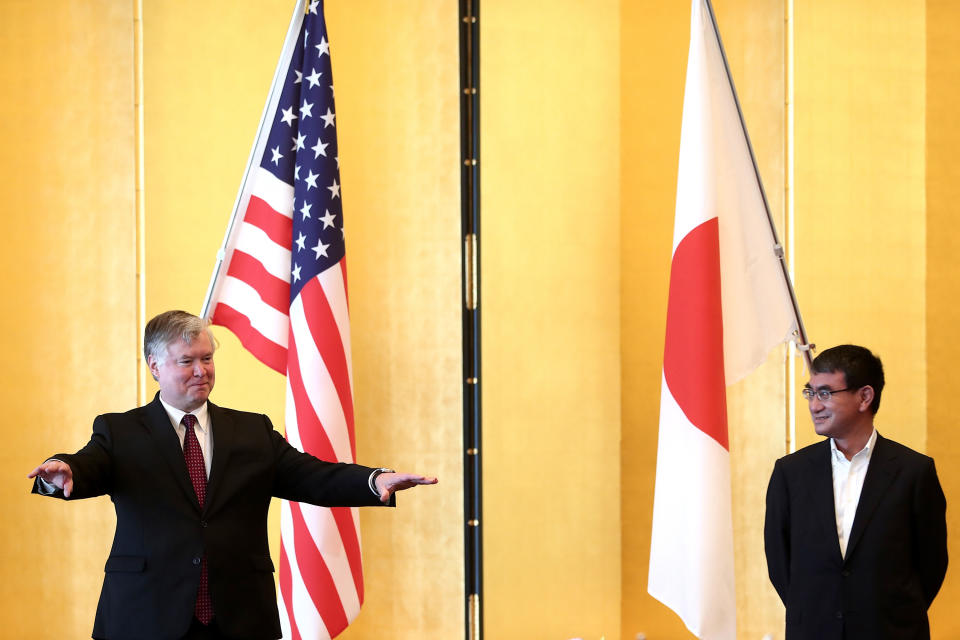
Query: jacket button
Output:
(839,615)
(845,573)
(203,523)
(196,561)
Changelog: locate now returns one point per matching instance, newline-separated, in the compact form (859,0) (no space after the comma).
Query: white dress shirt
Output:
(202,429)
(848,478)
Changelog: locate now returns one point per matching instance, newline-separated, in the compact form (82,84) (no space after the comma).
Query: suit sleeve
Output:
(92,465)
(302,477)
(776,532)
(930,531)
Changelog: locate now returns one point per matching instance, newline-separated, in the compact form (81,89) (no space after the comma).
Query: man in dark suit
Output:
(855,533)
(191,483)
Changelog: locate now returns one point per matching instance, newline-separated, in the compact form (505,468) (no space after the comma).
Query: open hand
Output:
(57,473)
(389,483)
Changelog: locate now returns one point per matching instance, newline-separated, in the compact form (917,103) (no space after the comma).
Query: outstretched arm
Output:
(389,483)
(84,474)
(57,473)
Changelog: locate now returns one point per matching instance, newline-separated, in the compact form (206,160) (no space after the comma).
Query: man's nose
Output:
(815,403)
(198,370)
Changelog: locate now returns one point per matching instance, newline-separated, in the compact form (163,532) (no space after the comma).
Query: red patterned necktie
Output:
(193,455)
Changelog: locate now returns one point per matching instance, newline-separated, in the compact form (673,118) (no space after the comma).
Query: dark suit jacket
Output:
(151,576)
(896,556)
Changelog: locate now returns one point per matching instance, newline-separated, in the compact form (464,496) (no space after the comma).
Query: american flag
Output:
(282,290)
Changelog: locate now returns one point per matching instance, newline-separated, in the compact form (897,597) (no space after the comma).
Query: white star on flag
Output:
(323,47)
(321,249)
(327,218)
(319,149)
(328,118)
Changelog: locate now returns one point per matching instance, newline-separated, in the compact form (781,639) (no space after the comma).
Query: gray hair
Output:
(169,326)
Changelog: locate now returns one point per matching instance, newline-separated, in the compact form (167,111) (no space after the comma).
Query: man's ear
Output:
(866,398)
(154,366)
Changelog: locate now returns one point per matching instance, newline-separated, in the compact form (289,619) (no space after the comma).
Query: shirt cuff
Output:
(372,480)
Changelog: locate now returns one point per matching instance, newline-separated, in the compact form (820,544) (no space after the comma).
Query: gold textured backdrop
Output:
(581,121)
(550,306)
(69,289)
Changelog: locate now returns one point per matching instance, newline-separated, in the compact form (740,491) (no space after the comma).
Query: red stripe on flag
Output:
(276,225)
(265,350)
(313,437)
(314,440)
(326,335)
(272,290)
(316,575)
(346,289)
(343,516)
(693,355)
(286,591)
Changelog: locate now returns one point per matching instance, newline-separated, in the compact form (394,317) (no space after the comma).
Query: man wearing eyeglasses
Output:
(855,532)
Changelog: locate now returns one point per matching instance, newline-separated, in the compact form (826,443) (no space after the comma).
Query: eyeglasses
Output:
(822,394)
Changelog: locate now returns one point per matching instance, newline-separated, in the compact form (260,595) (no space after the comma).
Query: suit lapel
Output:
(882,470)
(168,444)
(821,487)
(223,433)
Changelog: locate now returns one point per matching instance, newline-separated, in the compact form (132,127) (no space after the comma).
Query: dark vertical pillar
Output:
(470,226)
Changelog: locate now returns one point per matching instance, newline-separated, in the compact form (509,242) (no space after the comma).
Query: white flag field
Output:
(729,305)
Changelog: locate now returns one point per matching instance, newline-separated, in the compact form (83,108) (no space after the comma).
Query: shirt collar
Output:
(176,415)
(866,452)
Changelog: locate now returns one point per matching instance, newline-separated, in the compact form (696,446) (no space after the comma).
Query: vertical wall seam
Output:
(789,210)
(140,294)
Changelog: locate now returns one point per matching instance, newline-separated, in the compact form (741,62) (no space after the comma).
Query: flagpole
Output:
(259,142)
(801,340)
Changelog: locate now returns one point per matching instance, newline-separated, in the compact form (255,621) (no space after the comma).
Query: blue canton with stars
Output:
(302,150)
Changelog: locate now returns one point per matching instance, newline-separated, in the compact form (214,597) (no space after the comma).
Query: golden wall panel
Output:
(943,276)
(550,304)
(208,69)
(69,327)
(860,202)
(651,104)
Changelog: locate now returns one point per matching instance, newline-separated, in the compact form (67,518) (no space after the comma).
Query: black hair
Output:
(858,365)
